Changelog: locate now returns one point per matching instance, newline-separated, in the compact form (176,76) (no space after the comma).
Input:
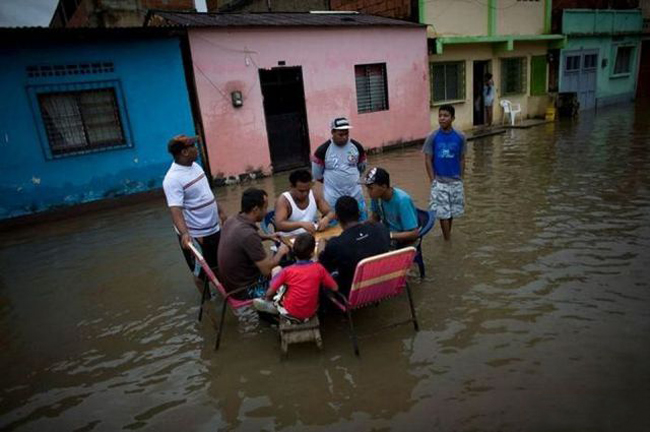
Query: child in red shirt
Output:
(302,280)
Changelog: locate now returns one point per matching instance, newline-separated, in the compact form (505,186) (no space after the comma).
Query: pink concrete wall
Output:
(228,60)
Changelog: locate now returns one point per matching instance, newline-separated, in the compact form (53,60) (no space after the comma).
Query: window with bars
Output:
(513,75)
(572,63)
(372,88)
(81,121)
(590,61)
(623,63)
(447,81)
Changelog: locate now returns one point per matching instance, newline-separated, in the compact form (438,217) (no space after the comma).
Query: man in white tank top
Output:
(296,211)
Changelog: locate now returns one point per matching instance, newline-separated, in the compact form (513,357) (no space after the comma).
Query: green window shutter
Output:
(538,75)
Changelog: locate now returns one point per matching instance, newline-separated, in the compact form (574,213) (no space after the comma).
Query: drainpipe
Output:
(492,17)
(421,15)
(548,9)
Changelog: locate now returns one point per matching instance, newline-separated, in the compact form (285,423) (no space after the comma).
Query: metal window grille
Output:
(447,81)
(623,60)
(513,75)
(372,89)
(590,61)
(572,63)
(39,71)
(81,121)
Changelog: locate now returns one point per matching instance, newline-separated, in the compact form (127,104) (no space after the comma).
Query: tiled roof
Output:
(274,19)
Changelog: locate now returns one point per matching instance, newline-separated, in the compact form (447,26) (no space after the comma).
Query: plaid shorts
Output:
(447,199)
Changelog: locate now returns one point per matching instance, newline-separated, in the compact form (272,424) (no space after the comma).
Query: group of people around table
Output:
(289,278)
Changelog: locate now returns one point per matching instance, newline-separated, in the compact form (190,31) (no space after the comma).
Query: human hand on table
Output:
(309,227)
(283,249)
(322,224)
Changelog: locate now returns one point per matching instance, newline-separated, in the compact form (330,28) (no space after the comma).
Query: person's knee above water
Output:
(243,262)
(444,158)
(194,210)
(393,207)
(296,211)
(302,280)
(339,163)
(356,242)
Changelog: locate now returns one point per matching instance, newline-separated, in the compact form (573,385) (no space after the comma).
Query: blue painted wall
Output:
(150,84)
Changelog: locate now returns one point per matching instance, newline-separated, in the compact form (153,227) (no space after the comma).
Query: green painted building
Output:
(601,56)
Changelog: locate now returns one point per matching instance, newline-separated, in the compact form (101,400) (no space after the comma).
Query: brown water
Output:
(536,317)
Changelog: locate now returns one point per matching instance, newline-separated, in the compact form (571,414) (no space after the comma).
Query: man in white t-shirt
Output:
(194,209)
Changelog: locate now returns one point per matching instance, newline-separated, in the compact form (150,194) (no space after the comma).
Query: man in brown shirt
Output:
(243,262)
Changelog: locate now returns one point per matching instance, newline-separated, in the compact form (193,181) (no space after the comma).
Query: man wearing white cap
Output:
(340,165)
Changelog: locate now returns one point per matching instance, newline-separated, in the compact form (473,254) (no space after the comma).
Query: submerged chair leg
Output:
(204,296)
(353,335)
(223,315)
(415,320)
(419,260)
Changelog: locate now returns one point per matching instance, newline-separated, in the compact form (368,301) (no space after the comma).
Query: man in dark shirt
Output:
(243,262)
(356,242)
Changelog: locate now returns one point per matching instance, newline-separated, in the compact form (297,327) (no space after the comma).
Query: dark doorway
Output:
(480,69)
(286,119)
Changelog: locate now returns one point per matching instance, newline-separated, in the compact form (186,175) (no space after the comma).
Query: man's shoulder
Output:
(459,134)
(358,145)
(322,149)
(402,195)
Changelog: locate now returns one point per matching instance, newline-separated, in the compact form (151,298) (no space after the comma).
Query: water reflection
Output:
(534,317)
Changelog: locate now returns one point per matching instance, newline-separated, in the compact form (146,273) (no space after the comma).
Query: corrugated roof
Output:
(275,19)
(14,35)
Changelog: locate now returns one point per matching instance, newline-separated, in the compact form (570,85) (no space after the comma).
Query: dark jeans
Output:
(209,248)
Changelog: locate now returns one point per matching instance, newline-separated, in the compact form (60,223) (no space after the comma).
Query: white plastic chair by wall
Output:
(511,110)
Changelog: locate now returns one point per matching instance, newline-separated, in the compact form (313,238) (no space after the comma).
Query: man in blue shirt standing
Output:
(393,207)
(444,158)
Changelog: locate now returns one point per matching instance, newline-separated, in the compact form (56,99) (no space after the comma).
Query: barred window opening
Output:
(81,121)
(372,89)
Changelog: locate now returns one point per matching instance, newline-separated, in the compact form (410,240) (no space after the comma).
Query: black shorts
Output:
(209,249)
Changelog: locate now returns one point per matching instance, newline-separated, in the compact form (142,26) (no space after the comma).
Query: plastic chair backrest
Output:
(426,220)
(380,277)
(506,105)
(268,222)
(233,302)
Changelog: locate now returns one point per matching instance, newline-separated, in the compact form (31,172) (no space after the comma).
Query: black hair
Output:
(303,246)
(301,175)
(449,108)
(347,209)
(488,75)
(252,198)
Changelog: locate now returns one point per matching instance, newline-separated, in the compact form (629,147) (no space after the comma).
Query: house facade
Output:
(509,39)
(268,85)
(600,60)
(86,114)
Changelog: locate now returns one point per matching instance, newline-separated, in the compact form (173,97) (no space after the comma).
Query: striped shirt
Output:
(188,187)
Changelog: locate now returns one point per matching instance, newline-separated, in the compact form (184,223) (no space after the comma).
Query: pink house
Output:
(268,84)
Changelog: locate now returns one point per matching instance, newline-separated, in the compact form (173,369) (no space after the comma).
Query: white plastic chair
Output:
(511,110)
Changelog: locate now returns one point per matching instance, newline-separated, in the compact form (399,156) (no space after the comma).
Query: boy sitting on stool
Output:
(302,280)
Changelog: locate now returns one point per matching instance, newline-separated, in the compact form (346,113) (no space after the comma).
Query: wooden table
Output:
(329,232)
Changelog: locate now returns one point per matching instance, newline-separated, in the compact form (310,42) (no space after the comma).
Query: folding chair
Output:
(268,222)
(375,279)
(426,220)
(228,298)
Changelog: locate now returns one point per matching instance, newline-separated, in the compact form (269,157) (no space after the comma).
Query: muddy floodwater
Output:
(535,317)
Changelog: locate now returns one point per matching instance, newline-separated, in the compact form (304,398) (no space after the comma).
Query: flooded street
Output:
(535,317)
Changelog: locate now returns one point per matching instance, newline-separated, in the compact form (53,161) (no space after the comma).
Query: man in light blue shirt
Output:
(393,207)
(338,163)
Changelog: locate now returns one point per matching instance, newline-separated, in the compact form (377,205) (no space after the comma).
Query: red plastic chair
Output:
(228,298)
(376,279)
